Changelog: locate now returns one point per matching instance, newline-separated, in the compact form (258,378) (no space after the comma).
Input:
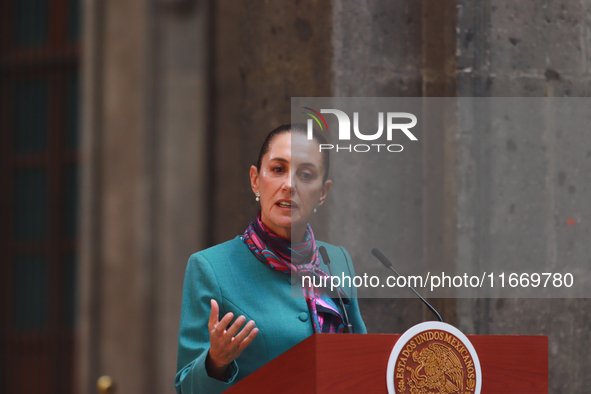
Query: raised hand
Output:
(226,343)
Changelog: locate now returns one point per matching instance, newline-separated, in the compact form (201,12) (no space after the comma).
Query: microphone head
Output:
(324,254)
(380,256)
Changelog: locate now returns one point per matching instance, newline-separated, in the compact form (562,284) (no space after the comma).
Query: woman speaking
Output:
(238,312)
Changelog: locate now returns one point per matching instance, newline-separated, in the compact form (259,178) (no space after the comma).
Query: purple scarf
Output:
(301,259)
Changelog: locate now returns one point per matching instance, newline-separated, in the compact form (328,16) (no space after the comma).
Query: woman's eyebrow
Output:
(307,164)
(279,159)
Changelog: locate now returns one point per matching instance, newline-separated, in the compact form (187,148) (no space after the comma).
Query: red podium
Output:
(357,363)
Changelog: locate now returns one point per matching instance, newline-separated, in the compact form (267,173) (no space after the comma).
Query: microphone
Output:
(348,326)
(388,264)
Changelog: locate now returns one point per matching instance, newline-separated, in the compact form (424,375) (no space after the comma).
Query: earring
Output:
(316,208)
(258,196)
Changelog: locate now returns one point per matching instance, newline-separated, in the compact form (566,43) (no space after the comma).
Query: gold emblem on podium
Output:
(434,358)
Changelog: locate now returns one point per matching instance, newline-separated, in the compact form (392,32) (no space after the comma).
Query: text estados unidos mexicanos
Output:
(524,280)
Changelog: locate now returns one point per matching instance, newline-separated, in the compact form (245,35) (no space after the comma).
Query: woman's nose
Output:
(289,184)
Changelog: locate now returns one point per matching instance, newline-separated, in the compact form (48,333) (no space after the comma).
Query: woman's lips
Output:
(287,204)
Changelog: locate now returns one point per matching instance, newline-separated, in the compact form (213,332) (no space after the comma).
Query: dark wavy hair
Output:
(299,128)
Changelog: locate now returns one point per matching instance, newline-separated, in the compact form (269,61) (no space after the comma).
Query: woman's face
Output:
(290,184)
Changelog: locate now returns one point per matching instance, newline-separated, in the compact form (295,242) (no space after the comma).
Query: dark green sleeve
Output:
(199,288)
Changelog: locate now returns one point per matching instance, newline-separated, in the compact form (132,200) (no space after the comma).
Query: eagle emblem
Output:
(439,371)
(433,358)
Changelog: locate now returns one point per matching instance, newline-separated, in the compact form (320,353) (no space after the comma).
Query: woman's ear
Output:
(254,179)
(324,192)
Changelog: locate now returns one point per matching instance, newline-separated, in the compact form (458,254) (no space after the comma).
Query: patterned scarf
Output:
(301,259)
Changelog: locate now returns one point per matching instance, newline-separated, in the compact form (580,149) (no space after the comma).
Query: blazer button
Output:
(303,316)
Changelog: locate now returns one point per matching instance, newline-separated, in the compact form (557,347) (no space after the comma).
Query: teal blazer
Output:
(232,275)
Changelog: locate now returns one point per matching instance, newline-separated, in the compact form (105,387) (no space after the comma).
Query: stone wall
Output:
(179,95)
(517,190)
